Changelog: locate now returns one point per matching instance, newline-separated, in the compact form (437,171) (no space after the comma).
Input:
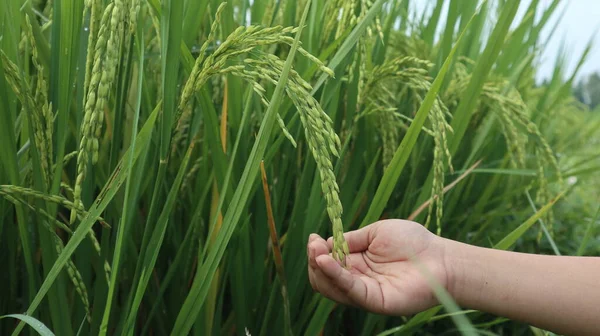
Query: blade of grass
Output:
(193,19)
(460,320)
(155,243)
(591,228)
(320,316)
(34,323)
(546,233)
(359,202)
(173,269)
(419,319)
(432,23)
(276,251)
(66,26)
(505,171)
(216,207)
(126,203)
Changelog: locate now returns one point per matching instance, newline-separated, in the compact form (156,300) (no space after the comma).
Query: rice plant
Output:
(133,133)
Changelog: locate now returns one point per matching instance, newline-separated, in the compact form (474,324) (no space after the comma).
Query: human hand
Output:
(384,276)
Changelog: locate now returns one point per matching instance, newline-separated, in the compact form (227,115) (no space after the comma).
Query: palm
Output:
(387,263)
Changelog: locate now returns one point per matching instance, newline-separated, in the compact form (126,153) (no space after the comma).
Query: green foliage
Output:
(587,90)
(36,325)
(359,110)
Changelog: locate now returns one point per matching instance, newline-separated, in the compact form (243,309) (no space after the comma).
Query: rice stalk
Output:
(543,193)
(12,192)
(15,199)
(276,249)
(72,271)
(42,115)
(36,108)
(322,140)
(134,10)
(318,126)
(189,177)
(67,158)
(67,188)
(103,70)
(499,97)
(379,94)
(318,130)
(268,14)
(191,83)
(56,199)
(95,8)
(49,9)
(332,12)
(241,41)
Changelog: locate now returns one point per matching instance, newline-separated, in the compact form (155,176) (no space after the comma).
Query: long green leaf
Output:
(33,323)
(126,204)
(156,242)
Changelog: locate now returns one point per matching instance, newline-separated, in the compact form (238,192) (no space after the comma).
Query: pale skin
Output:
(555,293)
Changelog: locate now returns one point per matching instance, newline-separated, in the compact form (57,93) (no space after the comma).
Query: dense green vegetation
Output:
(162,163)
(587,90)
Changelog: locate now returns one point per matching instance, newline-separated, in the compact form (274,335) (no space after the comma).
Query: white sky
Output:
(580,20)
(580,23)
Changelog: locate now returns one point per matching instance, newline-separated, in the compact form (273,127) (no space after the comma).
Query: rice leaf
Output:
(33,323)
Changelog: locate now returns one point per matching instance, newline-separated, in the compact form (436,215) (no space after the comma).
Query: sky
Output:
(579,24)
(580,20)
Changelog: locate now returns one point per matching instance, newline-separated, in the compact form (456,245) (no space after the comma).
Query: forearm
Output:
(560,294)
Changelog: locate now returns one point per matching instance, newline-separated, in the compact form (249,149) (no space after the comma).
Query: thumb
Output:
(358,240)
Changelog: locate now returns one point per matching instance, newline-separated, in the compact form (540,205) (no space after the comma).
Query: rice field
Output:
(162,163)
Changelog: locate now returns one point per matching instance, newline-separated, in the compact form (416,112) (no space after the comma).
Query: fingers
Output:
(316,247)
(323,284)
(358,240)
(319,281)
(312,237)
(352,287)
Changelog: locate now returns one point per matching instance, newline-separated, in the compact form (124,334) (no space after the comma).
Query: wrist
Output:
(462,267)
